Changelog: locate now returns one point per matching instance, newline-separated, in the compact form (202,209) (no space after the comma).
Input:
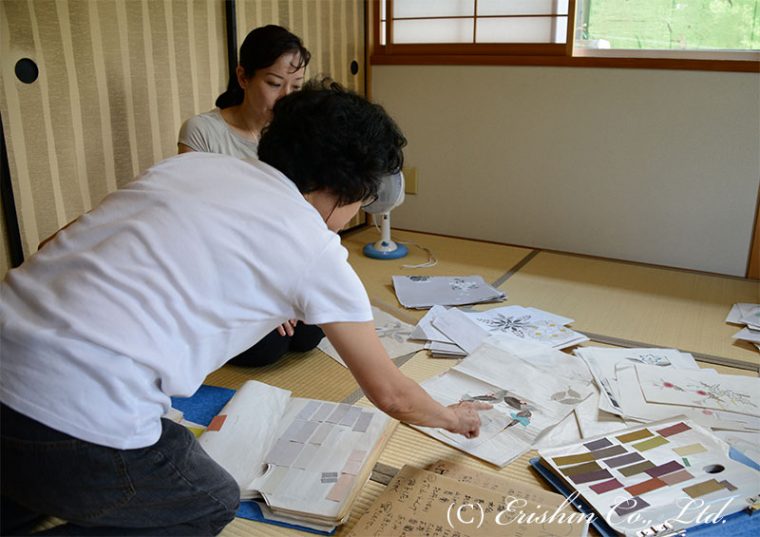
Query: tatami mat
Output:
(657,306)
(313,375)
(456,257)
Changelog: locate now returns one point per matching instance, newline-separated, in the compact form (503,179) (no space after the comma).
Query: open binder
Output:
(302,461)
(670,477)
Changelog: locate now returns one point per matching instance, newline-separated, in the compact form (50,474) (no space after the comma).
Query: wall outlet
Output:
(410,180)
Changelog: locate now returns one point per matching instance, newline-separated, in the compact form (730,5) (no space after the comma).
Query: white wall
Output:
(653,166)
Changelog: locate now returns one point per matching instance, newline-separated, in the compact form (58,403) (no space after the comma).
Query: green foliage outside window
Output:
(672,24)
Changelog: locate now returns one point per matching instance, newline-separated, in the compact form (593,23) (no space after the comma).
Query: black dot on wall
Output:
(354,67)
(26,70)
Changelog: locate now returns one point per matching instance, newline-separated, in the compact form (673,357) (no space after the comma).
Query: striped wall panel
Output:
(117,78)
(333,30)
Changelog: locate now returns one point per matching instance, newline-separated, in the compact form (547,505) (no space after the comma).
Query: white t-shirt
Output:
(209,133)
(169,277)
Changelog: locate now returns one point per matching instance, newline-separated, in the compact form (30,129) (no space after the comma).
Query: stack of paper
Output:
(747,315)
(393,333)
(456,333)
(532,388)
(644,385)
(423,292)
(450,501)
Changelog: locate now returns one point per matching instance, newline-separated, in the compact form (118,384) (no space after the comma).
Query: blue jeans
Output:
(169,488)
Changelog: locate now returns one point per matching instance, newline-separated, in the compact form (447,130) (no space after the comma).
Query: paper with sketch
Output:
(744,313)
(306,458)
(603,362)
(528,323)
(418,503)
(527,400)
(393,333)
(702,389)
(423,292)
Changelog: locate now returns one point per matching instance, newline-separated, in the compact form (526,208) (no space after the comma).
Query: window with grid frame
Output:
(647,33)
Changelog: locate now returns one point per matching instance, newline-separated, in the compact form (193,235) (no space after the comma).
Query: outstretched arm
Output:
(389,389)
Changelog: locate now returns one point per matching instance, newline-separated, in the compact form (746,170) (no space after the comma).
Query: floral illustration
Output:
(711,392)
(509,323)
(459,284)
(393,330)
(651,359)
(567,397)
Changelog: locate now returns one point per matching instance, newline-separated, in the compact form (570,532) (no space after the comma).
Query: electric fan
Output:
(390,194)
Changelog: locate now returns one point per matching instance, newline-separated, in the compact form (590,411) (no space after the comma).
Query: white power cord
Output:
(431,262)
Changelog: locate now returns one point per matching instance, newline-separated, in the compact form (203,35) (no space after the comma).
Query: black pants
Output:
(170,488)
(273,346)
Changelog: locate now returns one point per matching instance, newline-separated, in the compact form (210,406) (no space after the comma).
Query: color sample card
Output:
(609,452)
(691,449)
(646,486)
(677,477)
(582,468)
(667,468)
(652,443)
(606,486)
(623,460)
(598,444)
(639,468)
(703,488)
(674,429)
(590,476)
(629,506)
(635,435)
(573,459)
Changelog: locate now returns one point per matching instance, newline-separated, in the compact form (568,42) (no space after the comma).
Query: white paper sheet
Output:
(393,333)
(635,406)
(603,362)
(423,292)
(459,328)
(530,324)
(700,389)
(547,396)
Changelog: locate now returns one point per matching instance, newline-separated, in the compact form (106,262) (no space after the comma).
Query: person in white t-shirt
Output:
(139,299)
(272,64)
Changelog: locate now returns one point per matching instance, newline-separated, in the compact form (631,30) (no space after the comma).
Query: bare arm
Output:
(389,389)
(182,148)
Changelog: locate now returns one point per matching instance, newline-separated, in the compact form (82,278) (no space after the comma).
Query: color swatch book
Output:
(672,473)
(306,459)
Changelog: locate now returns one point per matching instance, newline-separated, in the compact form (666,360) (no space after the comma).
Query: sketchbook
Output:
(455,502)
(659,478)
(305,459)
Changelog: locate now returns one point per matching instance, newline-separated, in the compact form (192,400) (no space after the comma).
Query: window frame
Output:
(541,54)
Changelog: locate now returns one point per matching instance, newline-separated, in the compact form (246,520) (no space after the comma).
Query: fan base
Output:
(370,250)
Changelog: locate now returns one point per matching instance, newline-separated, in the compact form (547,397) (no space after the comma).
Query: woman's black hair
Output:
(326,137)
(261,48)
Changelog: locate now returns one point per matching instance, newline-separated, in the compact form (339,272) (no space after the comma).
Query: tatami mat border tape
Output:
(511,272)
(707,358)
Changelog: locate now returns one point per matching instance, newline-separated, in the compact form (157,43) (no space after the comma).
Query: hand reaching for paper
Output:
(468,419)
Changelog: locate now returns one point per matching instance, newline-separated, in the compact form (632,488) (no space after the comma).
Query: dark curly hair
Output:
(327,137)
(260,49)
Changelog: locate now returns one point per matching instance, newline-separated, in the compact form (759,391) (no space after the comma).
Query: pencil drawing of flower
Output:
(509,323)
(393,330)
